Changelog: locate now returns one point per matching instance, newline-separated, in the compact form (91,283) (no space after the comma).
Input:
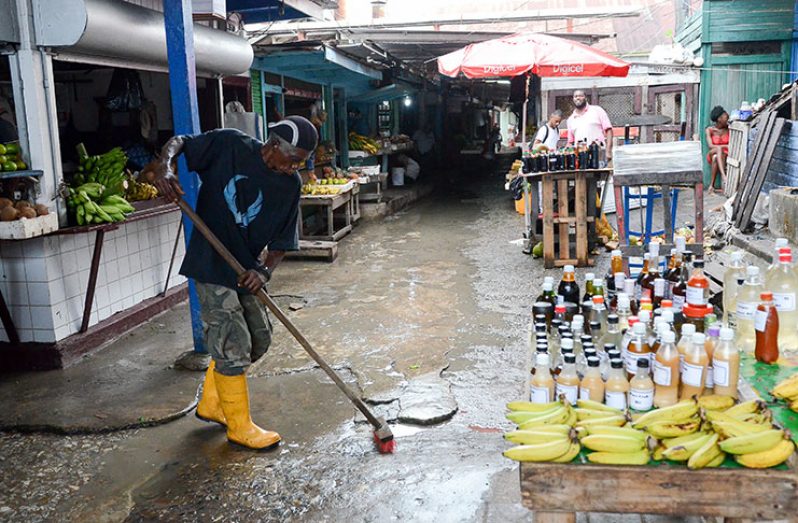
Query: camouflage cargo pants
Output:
(237,328)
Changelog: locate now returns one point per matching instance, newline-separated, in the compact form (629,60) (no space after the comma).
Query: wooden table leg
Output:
(619,213)
(95,266)
(548,222)
(8,322)
(562,208)
(666,208)
(330,222)
(555,517)
(172,259)
(698,192)
(580,204)
(534,203)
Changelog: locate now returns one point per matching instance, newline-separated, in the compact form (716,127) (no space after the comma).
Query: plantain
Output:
(664,429)
(641,457)
(539,452)
(684,451)
(715,402)
(787,388)
(612,420)
(744,408)
(612,443)
(531,437)
(616,431)
(674,413)
(708,452)
(752,443)
(521,417)
(595,405)
(528,406)
(558,416)
(570,454)
(734,428)
(768,458)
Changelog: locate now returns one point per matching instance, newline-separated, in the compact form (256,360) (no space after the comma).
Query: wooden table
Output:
(326,205)
(585,184)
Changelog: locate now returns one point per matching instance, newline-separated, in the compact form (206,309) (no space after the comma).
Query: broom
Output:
(383,437)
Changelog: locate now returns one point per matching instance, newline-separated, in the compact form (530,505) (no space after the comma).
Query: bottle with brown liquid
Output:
(666,372)
(647,281)
(542,384)
(568,381)
(672,274)
(726,364)
(592,386)
(766,323)
(694,370)
(641,388)
(638,348)
(616,388)
(568,290)
(642,276)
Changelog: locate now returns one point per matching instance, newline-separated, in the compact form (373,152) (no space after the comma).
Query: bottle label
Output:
(693,374)
(678,302)
(669,290)
(615,399)
(785,301)
(709,383)
(695,296)
(584,394)
(760,320)
(732,320)
(659,287)
(745,310)
(721,372)
(539,394)
(631,361)
(641,399)
(619,279)
(571,392)
(681,364)
(662,374)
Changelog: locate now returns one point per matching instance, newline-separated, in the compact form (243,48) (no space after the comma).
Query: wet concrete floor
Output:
(425,313)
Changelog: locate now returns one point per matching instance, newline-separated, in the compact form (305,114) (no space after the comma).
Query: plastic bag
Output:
(124,92)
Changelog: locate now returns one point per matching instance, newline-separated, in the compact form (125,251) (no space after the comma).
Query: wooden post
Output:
(580,202)
(562,205)
(548,221)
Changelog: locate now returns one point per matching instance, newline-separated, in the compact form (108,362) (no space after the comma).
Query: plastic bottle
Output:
(694,370)
(568,290)
(627,337)
(623,311)
(735,270)
(616,388)
(548,294)
(713,338)
(592,386)
(638,349)
(542,383)
(613,335)
(698,286)
(667,370)
(567,381)
(672,274)
(766,323)
(777,246)
(647,281)
(641,388)
(600,312)
(679,289)
(629,289)
(615,277)
(589,277)
(726,364)
(747,301)
(598,289)
(782,281)
(688,331)
(641,276)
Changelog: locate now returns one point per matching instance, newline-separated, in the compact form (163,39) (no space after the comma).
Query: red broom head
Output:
(385,447)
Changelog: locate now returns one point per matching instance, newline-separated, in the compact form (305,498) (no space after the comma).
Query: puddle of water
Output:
(401,430)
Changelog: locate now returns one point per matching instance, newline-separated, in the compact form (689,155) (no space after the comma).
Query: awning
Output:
(320,65)
(114,33)
(255,11)
(386,94)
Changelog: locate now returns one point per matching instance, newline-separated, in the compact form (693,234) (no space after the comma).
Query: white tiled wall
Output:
(44,280)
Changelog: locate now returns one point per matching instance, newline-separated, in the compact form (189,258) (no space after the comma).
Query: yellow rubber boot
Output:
(234,398)
(209,408)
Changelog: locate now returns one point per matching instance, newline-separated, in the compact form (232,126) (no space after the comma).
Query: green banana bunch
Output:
(90,206)
(107,169)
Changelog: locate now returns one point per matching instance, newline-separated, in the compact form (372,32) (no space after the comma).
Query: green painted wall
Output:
(747,20)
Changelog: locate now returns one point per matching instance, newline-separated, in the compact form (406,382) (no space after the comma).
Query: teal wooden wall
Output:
(747,20)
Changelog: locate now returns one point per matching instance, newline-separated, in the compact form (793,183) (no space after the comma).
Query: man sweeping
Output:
(249,198)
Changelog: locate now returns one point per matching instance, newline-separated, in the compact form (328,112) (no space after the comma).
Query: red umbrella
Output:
(533,53)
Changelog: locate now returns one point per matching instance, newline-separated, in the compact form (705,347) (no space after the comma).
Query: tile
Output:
(21,317)
(60,314)
(57,291)
(12,249)
(128,302)
(84,240)
(55,267)
(72,286)
(115,293)
(17,294)
(41,318)
(121,246)
(117,307)
(68,243)
(104,313)
(83,276)
(102,296)
(36,270)
(69,263)
(3,335)
(33,248)
(38,293)
(51,245)
(25,335)
(102,275)
(84,258)
(138,297)
(132,242)
(44,336)
(64,331)
(124,265)
(138,282)
(112,271)
(14,270)
(75,311)
(146,259)
(135,263)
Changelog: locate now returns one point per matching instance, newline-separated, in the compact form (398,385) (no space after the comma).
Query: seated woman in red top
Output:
(718,141)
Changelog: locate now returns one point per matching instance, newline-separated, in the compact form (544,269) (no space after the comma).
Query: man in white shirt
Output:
(549,134)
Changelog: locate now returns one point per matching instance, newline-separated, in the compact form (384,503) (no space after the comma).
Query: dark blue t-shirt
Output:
(247,205)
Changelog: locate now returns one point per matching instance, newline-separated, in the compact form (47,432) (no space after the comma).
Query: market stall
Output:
(112,261)
(643,400)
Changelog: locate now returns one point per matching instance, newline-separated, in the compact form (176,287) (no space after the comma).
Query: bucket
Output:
(519,204)
(398,175)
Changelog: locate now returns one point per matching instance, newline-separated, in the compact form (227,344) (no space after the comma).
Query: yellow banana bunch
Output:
(684,450)
(751,443)
(715,402)
(787,389)
(666,429)
(640,457)
(776,455)
(613,443)
(677,413)
(706,454)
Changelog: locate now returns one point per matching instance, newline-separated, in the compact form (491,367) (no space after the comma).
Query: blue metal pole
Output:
(185,117)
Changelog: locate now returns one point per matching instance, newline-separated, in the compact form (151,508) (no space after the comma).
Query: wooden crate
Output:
(738,155)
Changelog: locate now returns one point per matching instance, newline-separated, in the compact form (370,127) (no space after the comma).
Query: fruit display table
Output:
(324,208)
(557,491)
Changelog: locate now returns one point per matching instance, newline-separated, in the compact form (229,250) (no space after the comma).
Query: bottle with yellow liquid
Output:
(694,370)
(666,372)
(747,302)
(726,364)
(641,388)
(616,389)
(568,381)
(782,281)
(592,386)
(542,383)
(688,330)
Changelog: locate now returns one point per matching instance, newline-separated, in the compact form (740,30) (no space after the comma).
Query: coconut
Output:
(27,212)
(5,202)
(8,214)
(42,209)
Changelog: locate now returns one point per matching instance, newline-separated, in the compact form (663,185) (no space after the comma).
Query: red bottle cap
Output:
(696,311)
(598,299)
(666,304)
(559,308)
(766,296)
(632,320)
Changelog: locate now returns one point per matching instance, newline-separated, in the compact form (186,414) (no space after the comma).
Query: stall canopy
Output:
(110,32)
(386,93)
(254,11)
(320,65)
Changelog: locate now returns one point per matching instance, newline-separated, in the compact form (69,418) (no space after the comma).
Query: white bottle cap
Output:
(548,279)
(623,300)
(699,338)
(681,243)
(639,328)
(568,268)
(669,337)
(688,329)
(616,253)
(781,242)
(726,334)
(542,359)
(752,270)
(567,343)
(547,285)
(598,282)
(663,327)
(590,276)
(737,256)
(578,318)
(644,316)
(667,315)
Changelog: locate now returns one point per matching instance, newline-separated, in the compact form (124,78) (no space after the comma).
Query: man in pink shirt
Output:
(589,123)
